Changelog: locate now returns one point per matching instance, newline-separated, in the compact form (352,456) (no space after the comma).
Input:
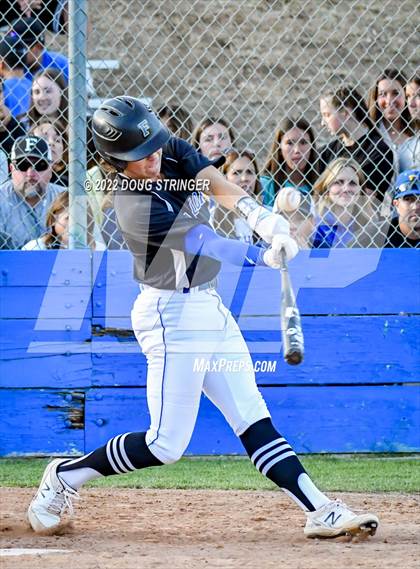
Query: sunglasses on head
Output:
(414,185)
(37,165)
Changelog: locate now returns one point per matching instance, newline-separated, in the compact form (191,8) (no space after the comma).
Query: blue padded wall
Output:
(72,375)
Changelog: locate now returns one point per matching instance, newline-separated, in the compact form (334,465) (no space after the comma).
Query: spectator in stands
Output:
(214,138)
(51,13)
(97,188)
(10,128)
(111,233)
(344,214)
(56,235)
(291,161)
(388,110)
(404,230)
(55,134)
(16,87)
(50,102)
(32,33)
(240,168)
(4,167)
(299,209)
(410,150)
(345,115)
(412,93)
(177,120)
(25,199)
(49,97)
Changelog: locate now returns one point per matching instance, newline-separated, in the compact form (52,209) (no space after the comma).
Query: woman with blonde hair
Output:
(57,224)
(345,216)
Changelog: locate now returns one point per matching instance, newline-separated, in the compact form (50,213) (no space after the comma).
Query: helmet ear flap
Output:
(119,165)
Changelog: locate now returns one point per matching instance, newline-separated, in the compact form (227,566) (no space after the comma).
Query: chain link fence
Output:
(282,88)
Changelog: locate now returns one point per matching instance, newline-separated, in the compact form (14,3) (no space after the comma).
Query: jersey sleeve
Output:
(201,240)
(151,219)
(190,161)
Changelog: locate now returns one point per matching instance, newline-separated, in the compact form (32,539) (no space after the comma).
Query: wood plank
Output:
(59,357)
(64,357)
(333,285)
(347,281)
(118,369)
(20,338)
(338,350)
(41,422)
(313,419)
(115,289)
(62,371)
(39,268)
(46,302)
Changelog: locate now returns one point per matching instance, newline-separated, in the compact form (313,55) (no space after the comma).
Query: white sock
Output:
(79,476)
(316,497)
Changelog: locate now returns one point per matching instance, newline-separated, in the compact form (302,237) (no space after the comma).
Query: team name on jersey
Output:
(195,201)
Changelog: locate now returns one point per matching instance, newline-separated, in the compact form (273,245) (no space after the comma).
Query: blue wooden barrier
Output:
(316,419)
(72,375)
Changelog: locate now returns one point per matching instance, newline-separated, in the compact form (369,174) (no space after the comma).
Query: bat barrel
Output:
(291,326)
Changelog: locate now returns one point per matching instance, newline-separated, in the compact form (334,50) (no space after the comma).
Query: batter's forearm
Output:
(201,240)
(260,219)
(225,193)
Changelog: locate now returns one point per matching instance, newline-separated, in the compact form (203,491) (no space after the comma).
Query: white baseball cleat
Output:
(336,519)
(52,499)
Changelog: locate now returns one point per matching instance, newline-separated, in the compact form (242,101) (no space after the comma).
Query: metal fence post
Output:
(77,123)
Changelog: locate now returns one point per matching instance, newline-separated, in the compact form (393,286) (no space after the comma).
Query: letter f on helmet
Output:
(144,127)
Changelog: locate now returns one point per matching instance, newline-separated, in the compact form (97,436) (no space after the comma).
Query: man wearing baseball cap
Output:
(404,230)
(26,197)
(32,34)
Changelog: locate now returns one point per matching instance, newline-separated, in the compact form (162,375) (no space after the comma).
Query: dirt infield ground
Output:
(130,529)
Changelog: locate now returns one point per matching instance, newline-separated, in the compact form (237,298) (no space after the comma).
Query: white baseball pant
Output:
(177,332)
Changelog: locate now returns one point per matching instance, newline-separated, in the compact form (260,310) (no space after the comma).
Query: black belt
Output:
(185,289)
(204,286)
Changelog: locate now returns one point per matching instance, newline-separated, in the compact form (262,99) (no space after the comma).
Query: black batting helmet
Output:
(126,130)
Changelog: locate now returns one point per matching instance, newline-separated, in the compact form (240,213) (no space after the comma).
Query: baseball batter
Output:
(178,318)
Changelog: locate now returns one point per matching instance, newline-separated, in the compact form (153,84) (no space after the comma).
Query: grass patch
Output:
(331,473)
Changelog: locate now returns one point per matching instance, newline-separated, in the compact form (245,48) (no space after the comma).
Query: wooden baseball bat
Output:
(291,327)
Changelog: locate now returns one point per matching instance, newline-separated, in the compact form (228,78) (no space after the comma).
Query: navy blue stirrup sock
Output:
(272,455)
(123,453)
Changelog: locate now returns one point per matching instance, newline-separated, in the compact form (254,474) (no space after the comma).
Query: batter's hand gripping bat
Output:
(291,328)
